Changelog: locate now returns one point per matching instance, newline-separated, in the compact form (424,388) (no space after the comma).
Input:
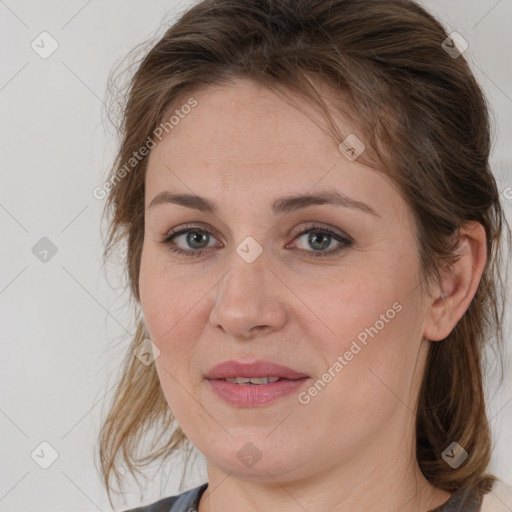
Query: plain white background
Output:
(63,328)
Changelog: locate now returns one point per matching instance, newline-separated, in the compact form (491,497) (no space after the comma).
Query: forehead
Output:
(242,138)
(243,121)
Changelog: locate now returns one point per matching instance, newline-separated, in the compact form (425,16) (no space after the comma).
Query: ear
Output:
(459,283)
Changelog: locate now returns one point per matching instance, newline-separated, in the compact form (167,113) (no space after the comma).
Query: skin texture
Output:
(351,448)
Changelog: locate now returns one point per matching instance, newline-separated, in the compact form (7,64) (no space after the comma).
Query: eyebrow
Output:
(284,204)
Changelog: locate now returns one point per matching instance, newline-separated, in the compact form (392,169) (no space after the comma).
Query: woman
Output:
(313,244)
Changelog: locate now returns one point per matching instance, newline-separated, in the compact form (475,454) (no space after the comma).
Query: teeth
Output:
(253,380)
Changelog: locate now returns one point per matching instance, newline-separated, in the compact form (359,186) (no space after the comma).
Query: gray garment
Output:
(185,502)
(464,500)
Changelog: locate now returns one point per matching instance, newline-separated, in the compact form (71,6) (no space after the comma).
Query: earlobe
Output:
(459,283)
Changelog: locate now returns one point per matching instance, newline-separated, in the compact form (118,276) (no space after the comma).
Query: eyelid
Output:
(341,237)
(320,227)
(185,228)
(206,229)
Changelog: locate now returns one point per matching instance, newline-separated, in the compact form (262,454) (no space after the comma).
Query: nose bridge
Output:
(245,279)
(246,297)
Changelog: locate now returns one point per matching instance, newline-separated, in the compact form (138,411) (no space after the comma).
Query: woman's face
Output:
(329,290)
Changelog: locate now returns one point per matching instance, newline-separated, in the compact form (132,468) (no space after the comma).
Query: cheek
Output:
(354,305)
(376,374)
(164,298)
(171,288)
(352,297)
(372,340)
(175,317)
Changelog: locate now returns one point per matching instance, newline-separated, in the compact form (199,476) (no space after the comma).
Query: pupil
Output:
(192,237)
(313,240)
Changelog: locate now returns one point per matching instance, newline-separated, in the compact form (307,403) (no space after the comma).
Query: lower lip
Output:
(250,395)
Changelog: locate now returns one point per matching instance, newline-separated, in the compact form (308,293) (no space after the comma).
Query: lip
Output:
(249,395)
(232,369)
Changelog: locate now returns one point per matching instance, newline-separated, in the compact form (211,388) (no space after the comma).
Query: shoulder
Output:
(498,499)
(180,503)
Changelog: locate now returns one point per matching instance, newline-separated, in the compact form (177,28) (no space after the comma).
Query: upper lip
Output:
(232,369)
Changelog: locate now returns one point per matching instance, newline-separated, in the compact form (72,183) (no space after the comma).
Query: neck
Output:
(380,478)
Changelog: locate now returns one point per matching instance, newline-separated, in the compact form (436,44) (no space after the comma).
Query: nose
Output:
(248,300)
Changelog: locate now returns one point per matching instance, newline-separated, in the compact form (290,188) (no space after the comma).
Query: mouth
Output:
(253,381)
(243,373)
(253,384)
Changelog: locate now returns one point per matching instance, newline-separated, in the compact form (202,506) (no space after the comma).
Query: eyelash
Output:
(344,240)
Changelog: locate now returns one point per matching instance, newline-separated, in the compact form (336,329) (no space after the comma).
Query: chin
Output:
(255,459)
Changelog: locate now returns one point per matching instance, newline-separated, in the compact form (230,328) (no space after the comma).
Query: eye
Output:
(193,236)
(320,238)
(197,240)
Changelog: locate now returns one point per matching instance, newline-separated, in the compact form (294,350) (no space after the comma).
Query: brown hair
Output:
(425,123)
